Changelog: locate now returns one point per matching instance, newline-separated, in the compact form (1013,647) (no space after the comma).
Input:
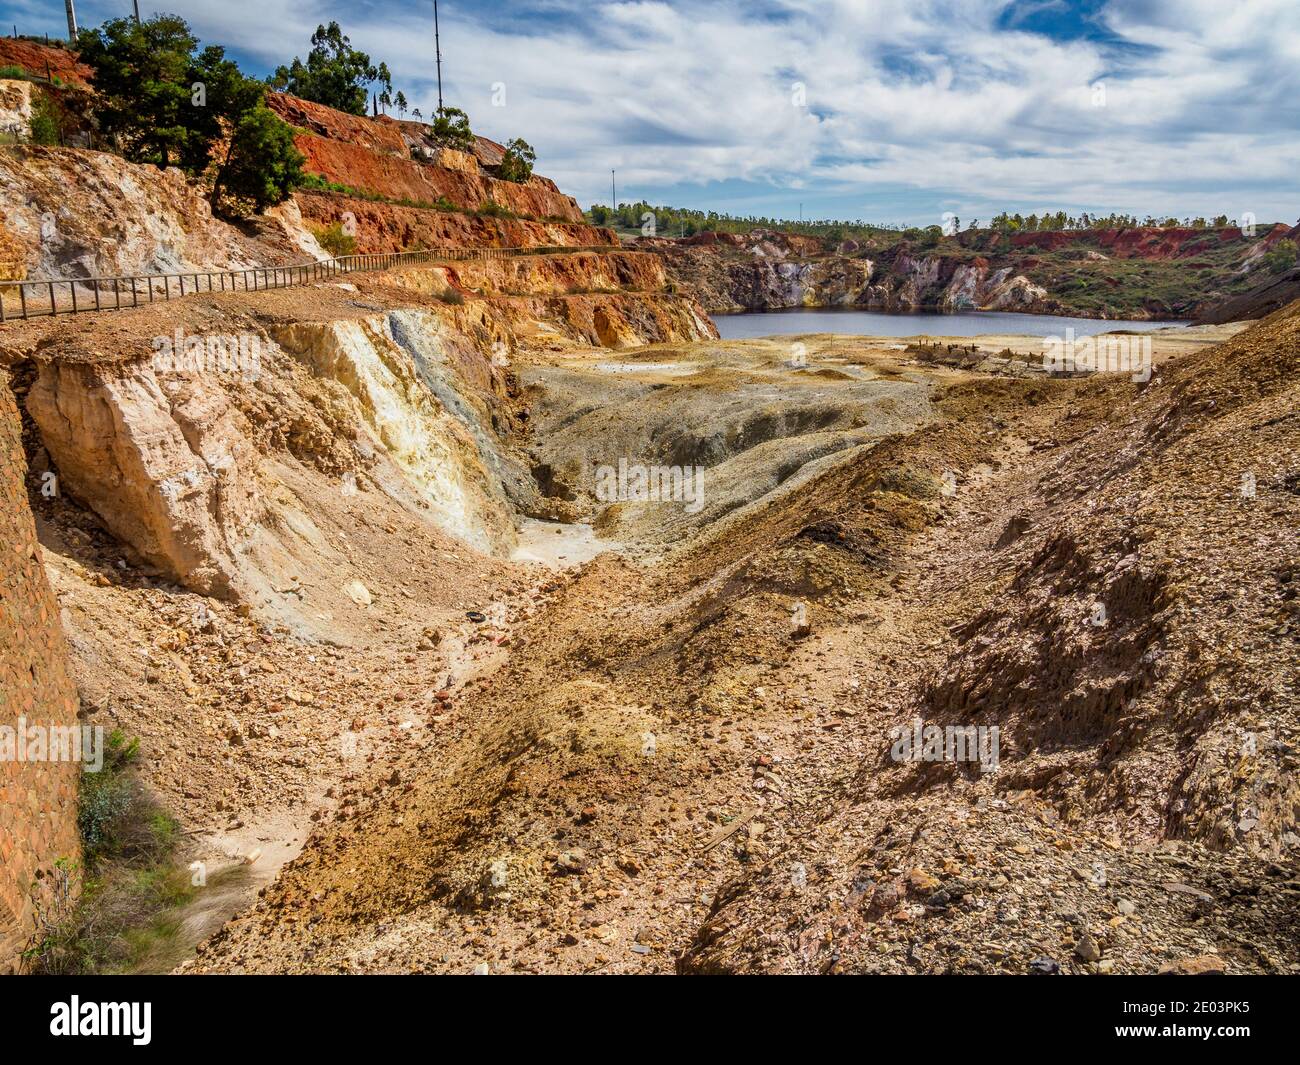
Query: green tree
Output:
(450,127)
(517,163)
(261,167)
(335,74)
(170,106)
(400,101)
(144,76)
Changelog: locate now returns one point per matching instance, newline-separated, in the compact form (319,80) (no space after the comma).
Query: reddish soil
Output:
(37,58)
(389,227)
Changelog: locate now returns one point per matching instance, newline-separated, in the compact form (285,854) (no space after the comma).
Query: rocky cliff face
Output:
(15,106)
(190,454)
(1139,272)
(40,59)
(198,468)
(38,817)
(380,227)
(727,283)
(400,161)
(74,213)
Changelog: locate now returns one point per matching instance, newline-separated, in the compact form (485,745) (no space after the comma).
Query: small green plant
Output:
(106,797)
(450,295)
(335,241)
(45,121)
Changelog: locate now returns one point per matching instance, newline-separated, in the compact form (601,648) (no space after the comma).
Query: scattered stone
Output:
(358,593)
(1088,948)
(571,861)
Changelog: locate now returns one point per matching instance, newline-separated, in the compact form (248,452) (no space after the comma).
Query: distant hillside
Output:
(1141,272)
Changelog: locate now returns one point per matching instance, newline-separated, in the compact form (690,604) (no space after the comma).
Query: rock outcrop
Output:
(401,161)
(78,213)
(15,107)
(383,227)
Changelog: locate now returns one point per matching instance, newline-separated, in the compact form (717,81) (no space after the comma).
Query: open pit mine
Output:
(491,614)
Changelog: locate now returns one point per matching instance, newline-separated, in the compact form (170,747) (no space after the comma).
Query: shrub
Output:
(105,913)
(262,166)
(1282,256)
(46,124)
(335,241)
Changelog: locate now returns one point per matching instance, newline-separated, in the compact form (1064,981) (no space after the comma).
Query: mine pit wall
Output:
(399,178)
(566,309)
(389,227)
(38,800)
(567,274)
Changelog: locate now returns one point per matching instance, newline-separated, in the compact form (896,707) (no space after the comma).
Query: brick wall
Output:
(38,800)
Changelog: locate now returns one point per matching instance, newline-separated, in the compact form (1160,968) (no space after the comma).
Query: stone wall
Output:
(38,800)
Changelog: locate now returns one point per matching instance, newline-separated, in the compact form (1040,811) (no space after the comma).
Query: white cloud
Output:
(927,95)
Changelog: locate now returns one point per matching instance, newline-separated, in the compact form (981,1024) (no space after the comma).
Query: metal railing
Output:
(40,299)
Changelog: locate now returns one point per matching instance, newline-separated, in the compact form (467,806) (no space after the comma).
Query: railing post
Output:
(73,285)
(117,294)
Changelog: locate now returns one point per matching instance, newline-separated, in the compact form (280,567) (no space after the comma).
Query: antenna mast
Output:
(437,51)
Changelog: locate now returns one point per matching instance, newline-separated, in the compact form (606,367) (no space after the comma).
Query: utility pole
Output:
(613,189)
(437,51)
(72,21)
(137,11)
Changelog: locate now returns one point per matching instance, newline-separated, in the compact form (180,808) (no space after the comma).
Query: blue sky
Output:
(886,110)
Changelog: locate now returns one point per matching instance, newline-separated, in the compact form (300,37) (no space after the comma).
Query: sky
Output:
(896,111)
